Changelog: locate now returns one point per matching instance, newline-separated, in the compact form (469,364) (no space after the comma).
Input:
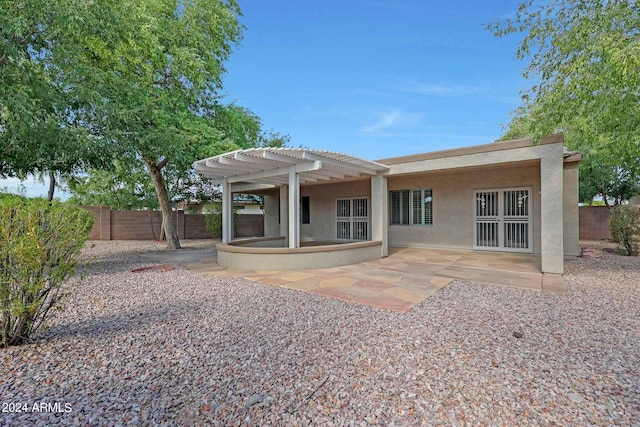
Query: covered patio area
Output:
(398,282)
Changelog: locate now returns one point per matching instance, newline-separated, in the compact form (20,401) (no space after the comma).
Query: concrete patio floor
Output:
(405,278)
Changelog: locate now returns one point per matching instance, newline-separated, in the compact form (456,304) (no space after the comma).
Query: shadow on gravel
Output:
(610,263)
(125,261)
(121,323)
(110,266)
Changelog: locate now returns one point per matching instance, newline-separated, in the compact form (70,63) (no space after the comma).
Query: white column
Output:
(551,204)
(380,212)
(294,208)
(284,214)
(227,212)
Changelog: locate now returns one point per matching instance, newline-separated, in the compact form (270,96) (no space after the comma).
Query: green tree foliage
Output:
(213,219)
(584,57)
(151,71)
(38,242)
(625,228)
(601,172)
(126,186)
(39,134)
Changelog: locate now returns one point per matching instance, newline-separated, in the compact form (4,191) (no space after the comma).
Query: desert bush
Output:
(213,220)
(625,228)
(38,242)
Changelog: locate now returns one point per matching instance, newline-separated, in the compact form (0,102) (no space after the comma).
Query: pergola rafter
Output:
(284,167)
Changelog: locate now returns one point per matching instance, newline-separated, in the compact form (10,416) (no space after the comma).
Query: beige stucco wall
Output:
(271,206)
(280,258)
(322,205)
(571,214)
(453,203)
(453,181)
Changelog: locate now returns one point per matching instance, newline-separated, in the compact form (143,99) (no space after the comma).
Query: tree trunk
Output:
(52,185)
(604,197)
(163,199)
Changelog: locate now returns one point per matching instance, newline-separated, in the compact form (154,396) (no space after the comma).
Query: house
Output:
(325,208)
(241,205)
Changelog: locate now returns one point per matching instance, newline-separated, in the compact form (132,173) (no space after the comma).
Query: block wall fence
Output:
(145,225)
(594,223)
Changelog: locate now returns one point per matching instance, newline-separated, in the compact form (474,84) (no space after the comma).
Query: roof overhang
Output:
(270,165)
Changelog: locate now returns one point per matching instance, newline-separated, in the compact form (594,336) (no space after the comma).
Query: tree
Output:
(126,186)
(150,72)
(602,173)
(585,57)
(39,133)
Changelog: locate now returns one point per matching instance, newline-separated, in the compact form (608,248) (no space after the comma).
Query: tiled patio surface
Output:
(405,278)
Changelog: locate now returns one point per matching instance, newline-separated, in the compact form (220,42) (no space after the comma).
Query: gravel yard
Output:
(181,348)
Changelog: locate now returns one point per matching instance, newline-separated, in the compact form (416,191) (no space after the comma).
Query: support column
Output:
(284,213)
(551,209)
(294,208)
(380,212)
(571,209)
(227,212)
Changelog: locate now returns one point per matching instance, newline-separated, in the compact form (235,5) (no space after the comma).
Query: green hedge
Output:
(625,228)
(38,242)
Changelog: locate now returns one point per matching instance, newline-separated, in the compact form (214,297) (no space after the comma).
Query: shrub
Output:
(38,241)
(625,228)
(213,220)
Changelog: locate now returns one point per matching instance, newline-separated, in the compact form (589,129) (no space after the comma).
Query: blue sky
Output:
(372,78)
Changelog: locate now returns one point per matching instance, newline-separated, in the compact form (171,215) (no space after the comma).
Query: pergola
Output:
(286,168)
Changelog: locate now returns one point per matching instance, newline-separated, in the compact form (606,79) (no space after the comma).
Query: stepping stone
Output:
(591,253)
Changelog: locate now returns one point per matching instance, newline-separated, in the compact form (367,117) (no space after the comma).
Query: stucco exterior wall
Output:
(453,203)
(453,181)
(271,206)
(322,206)
(571,212)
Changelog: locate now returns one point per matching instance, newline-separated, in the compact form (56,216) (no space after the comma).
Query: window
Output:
(412,207)
(305,212)
(352,218)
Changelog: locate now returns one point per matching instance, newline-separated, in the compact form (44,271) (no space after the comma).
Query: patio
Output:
(398,282)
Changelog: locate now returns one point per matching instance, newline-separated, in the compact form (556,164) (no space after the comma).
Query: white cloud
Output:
(391,118)
(434,89)
(384,121)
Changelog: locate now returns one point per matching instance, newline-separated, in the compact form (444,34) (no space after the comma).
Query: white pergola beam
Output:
(240,164)
(340,171)
(315,177)
(263,175)
(260,160)
(339,163)
(247,187)
(228,169)
(279,157)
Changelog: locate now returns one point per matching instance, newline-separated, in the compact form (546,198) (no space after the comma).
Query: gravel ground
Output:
(181,348)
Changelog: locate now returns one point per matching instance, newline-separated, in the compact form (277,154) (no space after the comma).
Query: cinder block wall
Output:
(135,225)
(250,225)
(101,222)
(145,225)
(594,223)
(195,228)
